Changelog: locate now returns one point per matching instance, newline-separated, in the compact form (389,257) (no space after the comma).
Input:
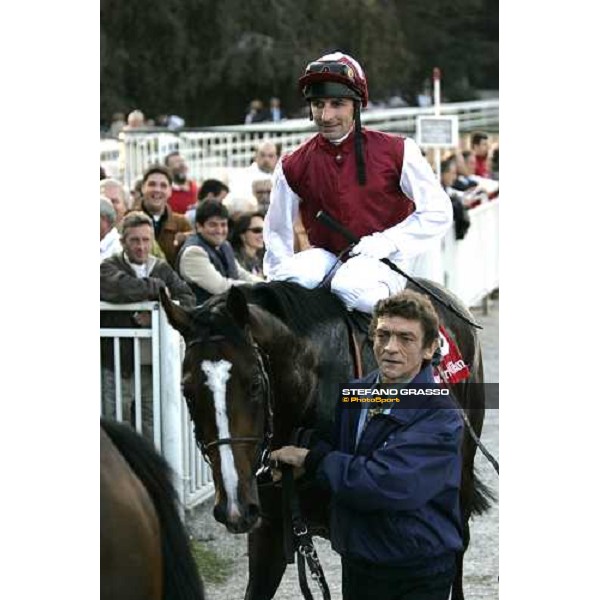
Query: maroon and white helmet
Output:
(335,75)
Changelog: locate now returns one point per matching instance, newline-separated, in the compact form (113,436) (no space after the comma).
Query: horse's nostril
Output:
(252,513)
(219,513)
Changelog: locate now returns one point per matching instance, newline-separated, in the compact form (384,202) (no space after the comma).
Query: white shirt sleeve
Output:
(433,210)
(279,223)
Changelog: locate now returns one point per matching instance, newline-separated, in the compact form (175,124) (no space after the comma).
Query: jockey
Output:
(375,184)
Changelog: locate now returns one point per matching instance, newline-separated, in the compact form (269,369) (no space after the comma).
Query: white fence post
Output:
(171,405)
(173,430)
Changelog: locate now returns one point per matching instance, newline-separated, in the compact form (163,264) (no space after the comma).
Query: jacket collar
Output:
(425,375)
(418,404)
(149,265)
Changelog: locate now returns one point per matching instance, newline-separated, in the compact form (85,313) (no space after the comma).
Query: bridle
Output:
(302,540)
(261,462)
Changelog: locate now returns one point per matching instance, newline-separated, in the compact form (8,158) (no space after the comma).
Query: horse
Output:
(144,550)
(263,360)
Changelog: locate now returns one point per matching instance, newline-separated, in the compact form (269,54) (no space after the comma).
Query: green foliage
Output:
(206,59)
(212,567)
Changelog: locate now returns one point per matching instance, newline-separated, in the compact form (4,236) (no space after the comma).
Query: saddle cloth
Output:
(451,368)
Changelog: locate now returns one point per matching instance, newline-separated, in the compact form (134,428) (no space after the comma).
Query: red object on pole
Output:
(437,94)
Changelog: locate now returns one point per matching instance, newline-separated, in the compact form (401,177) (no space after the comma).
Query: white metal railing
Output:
(173,430)
(229,146)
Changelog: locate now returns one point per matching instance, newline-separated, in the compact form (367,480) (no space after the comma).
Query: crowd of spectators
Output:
(136,119)
(470,178)
(194,238)
(258,113)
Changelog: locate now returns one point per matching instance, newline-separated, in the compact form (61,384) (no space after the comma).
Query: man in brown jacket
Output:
(134,276)
(170,228)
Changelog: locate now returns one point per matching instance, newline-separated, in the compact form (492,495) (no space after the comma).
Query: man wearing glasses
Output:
(375,184)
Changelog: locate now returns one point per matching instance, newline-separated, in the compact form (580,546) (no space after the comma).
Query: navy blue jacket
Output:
(395,498)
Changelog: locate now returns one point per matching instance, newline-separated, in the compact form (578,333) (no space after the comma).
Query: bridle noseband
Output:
(261,462)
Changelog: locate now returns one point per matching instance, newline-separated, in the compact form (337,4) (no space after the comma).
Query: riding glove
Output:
(377,245)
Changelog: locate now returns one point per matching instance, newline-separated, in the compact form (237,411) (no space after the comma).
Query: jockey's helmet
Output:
(334,75)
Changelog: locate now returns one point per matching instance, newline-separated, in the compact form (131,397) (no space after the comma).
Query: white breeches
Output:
(360,282)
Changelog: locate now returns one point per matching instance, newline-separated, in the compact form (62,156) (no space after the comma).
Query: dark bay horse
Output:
(144,551)
(263,360)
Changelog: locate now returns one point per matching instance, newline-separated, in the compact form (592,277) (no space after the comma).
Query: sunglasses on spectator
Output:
(255,229)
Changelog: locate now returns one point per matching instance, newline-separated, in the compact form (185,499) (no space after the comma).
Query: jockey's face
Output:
(213,230)
(137,243)
(334,116)
(398,347)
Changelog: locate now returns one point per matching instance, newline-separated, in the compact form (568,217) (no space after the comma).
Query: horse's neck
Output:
(293,370)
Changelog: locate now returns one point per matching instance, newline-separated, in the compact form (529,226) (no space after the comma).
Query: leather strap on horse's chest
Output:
(354,349)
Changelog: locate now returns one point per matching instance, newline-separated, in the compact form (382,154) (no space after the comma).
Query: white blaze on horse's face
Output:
(217,375)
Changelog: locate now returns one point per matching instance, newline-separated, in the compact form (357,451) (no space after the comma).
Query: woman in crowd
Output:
(248,244)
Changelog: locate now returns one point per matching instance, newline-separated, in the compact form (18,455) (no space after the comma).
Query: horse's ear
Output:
(178,317)
(238,307)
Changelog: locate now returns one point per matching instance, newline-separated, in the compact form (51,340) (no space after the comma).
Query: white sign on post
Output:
(437,132)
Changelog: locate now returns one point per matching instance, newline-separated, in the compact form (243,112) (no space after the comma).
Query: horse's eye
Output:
(255,386)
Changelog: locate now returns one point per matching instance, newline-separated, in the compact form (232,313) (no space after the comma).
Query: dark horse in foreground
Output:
(144,552)
(263,360)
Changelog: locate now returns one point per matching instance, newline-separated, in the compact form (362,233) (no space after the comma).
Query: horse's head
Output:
(226,385)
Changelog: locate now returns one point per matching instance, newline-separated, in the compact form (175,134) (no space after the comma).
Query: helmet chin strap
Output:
(360,159)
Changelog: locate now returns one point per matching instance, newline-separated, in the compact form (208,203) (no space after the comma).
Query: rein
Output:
(353,239)
(301,542)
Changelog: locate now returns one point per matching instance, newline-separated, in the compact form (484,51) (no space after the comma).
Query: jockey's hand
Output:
(377,245)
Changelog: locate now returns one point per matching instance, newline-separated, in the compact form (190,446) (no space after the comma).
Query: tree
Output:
(205,59)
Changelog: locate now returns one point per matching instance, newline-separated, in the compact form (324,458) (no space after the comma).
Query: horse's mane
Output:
(302,310)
